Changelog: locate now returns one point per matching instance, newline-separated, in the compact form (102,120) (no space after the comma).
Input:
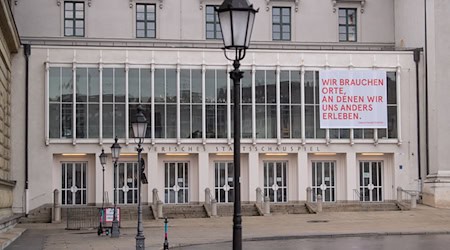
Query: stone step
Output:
(42,214)
(228,210)
(360,207)
(280,208)
(173,211)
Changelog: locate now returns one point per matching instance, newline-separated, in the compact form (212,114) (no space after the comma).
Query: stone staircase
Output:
(42,214)
(177,211)
(360,206)
(288,208)
(246,210)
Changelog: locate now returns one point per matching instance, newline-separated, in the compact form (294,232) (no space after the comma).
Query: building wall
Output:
(398,155)
(312,21)
(9,43)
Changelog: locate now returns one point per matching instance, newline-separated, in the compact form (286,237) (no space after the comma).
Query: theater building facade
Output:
(86,81)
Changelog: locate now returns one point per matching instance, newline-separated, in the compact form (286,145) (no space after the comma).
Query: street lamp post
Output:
(139,130)
(115,152)
(236,19)
(102,158)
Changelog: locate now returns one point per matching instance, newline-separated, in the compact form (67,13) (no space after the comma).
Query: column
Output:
(253,175)
(351,174)
(154,180)
(303,174)
(203,175)
(99,179)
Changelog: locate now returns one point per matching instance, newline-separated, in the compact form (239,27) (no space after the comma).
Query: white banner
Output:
(353,99)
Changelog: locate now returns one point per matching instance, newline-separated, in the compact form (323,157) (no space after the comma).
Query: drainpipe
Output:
(427,150)
(419,162)
(27,53)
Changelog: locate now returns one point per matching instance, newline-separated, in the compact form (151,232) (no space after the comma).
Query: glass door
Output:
(275,184)
(324,180)
(126,182)
(73,189)
(176,182)
(370,181)
(223,187)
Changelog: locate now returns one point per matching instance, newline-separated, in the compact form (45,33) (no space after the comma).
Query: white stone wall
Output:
(9,43)
(45,159)
(312,22)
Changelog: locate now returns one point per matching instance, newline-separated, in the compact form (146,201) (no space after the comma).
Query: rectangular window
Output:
(281,23)
(312,114)
(216,103)
(191,103)
(165,103)
(113,102)
(73,19)
(266,107)
(290,104)
(87,102)
(212,23)
(145,20)
(391,131)
(60,103)
(139,92)
(347,25)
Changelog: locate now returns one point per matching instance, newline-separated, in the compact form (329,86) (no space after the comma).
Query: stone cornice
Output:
(7,183)
(8,27)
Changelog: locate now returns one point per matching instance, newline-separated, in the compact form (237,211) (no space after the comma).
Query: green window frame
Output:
(281,23)
(145,20)
(74,19)
(348,25)
(213,30)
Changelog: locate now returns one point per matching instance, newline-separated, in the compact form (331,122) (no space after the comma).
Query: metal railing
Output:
(82,217)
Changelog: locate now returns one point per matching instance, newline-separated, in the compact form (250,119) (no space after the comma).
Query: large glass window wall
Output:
(181,104)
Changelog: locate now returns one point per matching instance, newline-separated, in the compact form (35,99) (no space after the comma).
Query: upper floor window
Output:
(145,20)
(212,23)
(281,23)
(73,18)
(347,25)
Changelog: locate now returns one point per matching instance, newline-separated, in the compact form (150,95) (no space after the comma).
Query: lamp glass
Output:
(102,157)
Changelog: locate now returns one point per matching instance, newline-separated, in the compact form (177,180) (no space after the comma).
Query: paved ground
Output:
(389,242)
(185,232)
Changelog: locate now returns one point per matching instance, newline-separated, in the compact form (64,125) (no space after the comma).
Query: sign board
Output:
(353,99)
(109,214)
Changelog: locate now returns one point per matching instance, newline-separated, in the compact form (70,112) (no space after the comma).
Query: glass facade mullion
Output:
(101,102)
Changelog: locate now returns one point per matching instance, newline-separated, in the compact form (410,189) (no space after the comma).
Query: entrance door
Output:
(370,180)
(223,178)
(126,182)
(176,184)
(73,189)
(324,180)
(275,184)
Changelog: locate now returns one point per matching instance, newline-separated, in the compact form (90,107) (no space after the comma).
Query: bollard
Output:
(413,200)
(258,196)
(166,231)
(319,203)
(207,196)
(266,205)
(155,196)
(159,207)
(399,194)
(308,194)
(214,207)
(56,218)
